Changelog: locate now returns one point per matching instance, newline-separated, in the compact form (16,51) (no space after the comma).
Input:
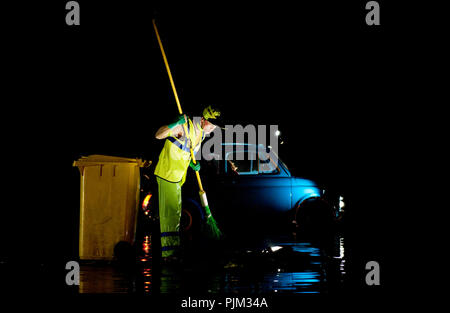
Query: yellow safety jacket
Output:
(176,156)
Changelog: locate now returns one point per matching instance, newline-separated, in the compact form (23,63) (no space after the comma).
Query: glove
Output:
(195,167)
(179,121)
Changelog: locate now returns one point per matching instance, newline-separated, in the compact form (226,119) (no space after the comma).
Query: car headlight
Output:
(145,204)
(275,248)
(341,203)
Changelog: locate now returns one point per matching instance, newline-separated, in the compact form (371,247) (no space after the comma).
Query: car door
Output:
(256,187)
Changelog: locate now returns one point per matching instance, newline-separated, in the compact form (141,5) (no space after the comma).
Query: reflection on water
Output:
(297,268)
(281,266)
(104,278)
(146,271)
(283,282)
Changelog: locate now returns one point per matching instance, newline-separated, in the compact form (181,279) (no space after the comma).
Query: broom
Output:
(212,230)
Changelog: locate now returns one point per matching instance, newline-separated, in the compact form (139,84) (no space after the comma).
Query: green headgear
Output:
(210,113)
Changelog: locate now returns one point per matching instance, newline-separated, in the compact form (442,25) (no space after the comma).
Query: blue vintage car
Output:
(249,187)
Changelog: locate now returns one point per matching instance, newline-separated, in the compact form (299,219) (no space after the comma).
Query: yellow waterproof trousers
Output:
(169,215)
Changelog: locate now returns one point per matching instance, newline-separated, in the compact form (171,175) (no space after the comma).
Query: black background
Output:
(331,83)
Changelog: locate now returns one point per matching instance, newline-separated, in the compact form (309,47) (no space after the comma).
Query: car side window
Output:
(266,167)
(235,166)
(266,164)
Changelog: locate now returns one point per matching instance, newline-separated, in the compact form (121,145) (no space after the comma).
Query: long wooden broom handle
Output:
(178,102)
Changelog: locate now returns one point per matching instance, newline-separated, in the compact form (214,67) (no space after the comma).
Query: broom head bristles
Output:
(212,229)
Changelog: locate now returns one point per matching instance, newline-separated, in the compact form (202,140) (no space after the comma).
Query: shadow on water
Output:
(276,265)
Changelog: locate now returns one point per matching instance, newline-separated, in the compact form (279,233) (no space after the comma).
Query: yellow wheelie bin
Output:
(109,200)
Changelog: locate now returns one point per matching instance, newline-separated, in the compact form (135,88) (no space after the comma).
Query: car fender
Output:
(303,189)
(301,201)
(308,197)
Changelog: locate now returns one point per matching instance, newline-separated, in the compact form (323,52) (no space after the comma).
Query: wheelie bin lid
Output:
(96,159)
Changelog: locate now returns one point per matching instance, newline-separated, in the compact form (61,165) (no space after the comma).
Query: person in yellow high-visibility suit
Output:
(170,172)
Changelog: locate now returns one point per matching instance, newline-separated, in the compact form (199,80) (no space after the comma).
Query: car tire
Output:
(190,221)
(314,216)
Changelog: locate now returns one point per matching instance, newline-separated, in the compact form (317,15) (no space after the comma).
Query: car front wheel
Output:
(314,216)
